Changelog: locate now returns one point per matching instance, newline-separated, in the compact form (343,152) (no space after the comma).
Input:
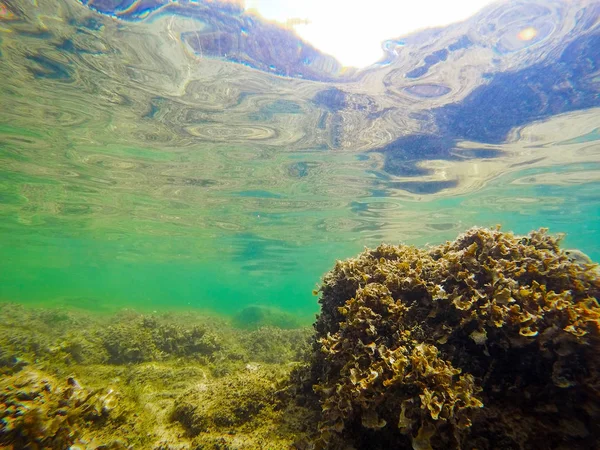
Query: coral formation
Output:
(491,341)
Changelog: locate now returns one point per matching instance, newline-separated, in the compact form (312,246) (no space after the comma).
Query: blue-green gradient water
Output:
(172,155)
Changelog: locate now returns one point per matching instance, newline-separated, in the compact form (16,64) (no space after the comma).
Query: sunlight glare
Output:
(353,31)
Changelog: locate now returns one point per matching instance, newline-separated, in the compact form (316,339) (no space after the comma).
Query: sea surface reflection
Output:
(167,154)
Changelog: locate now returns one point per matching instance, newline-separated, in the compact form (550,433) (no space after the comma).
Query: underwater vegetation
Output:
(239,398)
(38,412)
(491,341)
(487,342)
(156,381)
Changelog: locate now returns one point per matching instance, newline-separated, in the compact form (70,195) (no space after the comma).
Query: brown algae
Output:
(490,341)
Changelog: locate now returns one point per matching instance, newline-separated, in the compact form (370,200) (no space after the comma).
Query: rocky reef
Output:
(164,381)
(252,402)
(488,342)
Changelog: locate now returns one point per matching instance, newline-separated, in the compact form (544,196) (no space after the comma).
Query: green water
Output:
(134,174)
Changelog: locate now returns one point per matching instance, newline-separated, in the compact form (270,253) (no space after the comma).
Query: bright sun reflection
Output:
(527,34)
(353,31)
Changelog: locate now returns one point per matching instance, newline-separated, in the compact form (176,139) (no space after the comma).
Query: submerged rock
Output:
(250,409)
(490,341)
(228,403)
(255,317)
(36,411)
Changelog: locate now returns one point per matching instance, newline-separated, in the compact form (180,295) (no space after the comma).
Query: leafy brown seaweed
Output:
(38,412)
(490,341)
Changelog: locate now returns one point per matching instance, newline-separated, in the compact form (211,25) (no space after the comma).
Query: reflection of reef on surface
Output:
(490,341)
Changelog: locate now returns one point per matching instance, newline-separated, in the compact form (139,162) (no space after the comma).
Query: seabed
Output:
(162,381)
(487,342)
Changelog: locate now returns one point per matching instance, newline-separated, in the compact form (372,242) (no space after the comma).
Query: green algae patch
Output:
(18,131)
(247,409)
(490,341)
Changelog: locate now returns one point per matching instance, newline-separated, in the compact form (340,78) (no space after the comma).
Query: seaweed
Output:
(492,338)
(233,380)
(36,411)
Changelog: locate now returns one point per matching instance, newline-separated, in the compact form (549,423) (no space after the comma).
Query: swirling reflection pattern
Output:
(198,116)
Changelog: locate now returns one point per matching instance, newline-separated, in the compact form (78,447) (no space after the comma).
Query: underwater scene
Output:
(214,235)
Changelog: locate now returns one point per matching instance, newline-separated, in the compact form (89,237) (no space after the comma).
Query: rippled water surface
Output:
(172,154)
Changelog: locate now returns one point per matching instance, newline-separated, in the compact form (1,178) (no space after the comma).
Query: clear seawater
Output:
(164,155)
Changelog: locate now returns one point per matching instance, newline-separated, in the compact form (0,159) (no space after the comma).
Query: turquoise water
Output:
(186,155)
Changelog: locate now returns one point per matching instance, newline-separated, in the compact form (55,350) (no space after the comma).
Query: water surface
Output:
(186,154)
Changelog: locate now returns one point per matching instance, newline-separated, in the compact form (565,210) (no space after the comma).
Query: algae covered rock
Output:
(276,345)
(144,338)
(249,409)
(491,341)
(228,402)
(36,411)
